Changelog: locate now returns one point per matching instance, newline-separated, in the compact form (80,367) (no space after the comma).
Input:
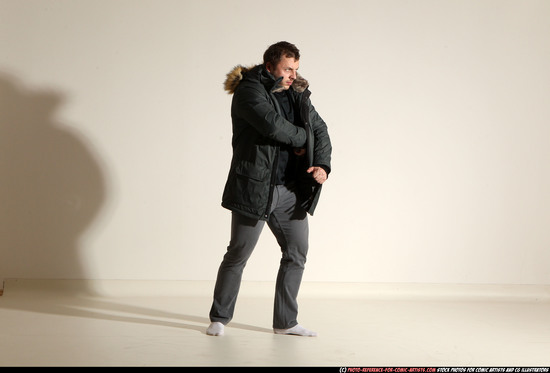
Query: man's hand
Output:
(318,173)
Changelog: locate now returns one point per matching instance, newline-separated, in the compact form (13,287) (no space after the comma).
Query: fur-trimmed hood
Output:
(237,74)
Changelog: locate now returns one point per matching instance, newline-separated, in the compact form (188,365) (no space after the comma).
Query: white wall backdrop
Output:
(115,137)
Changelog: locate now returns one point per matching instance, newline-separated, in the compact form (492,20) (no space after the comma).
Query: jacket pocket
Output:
(251,171)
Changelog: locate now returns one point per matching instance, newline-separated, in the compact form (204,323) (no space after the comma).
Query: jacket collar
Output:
(259,72)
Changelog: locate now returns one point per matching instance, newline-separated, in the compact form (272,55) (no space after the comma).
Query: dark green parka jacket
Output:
(259,129)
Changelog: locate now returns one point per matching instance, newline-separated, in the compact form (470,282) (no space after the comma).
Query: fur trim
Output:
(300,84)
(234,77)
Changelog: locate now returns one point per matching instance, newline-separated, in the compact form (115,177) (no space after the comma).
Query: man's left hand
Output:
(318,173)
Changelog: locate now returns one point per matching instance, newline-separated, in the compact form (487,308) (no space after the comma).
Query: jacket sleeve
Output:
(253,105)
(322,150)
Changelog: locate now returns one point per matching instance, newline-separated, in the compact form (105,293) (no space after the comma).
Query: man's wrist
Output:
(326,168)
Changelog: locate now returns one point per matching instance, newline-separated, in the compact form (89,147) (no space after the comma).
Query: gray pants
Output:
(288,222)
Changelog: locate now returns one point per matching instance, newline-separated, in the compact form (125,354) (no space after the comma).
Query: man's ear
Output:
(269,67)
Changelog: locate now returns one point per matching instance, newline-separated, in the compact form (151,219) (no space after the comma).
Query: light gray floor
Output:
(60,324)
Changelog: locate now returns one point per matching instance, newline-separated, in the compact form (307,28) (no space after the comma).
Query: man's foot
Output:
(296,330)
(215,328)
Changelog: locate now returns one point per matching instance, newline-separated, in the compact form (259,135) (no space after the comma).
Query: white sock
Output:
(215,328)
(296,330)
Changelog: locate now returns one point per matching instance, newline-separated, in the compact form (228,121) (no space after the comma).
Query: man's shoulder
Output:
(250,87)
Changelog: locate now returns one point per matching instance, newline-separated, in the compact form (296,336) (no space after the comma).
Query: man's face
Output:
(286,68)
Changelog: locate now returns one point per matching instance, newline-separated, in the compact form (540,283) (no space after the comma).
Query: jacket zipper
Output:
(273,166)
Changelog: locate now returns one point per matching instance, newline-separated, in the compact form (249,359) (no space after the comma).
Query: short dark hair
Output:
(275,52)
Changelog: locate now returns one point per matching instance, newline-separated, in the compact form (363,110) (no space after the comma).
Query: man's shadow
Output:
(51,186)
(51,190)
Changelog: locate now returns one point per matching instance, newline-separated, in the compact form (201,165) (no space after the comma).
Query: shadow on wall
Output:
(51,186)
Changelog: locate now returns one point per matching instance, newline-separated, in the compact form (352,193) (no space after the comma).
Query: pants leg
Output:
(289,224)
(245,233)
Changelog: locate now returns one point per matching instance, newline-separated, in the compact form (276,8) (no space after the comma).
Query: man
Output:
(281,157)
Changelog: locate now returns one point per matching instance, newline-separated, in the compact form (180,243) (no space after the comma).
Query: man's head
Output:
(282,59)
